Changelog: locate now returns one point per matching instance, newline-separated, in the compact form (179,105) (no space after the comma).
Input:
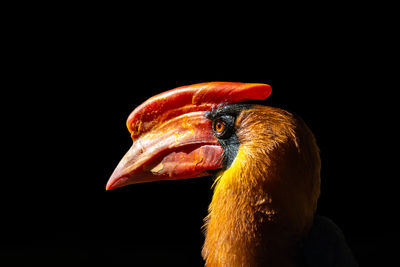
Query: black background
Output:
(71,85)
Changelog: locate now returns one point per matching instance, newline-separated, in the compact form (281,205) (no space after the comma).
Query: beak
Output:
(183,147)
(172,138)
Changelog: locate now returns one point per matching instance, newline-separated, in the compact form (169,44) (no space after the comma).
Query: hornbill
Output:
(266,165)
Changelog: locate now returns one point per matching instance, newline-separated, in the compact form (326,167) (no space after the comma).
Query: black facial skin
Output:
(227,138)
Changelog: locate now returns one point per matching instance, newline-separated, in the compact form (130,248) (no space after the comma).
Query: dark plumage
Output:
(325,245)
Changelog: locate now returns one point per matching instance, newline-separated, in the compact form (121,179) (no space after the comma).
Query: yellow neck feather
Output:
(265,202)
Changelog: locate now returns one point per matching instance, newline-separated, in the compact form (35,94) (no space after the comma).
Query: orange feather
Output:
(264,204)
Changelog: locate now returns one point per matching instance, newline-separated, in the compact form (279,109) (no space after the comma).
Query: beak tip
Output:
(108,186)
(115,182)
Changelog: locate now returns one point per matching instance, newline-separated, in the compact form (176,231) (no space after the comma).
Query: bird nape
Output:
(267,169)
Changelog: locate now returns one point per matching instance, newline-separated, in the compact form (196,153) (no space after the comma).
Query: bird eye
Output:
(223,127)
(219,126)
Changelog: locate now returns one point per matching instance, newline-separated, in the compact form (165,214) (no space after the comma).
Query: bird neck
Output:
(243,227)
(264,203)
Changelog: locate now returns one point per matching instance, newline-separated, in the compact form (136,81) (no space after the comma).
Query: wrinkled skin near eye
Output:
(223,126)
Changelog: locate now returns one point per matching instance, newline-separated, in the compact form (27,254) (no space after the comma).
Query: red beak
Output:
(172,138)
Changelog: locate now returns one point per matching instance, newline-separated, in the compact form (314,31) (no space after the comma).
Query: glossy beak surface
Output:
(183,147)
(173,139)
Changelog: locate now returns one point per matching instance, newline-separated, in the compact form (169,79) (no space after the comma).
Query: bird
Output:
(266,166)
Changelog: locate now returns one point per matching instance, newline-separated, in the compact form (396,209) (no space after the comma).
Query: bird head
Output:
(265,160)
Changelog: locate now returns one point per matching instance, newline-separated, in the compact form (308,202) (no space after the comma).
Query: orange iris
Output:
(219,126)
